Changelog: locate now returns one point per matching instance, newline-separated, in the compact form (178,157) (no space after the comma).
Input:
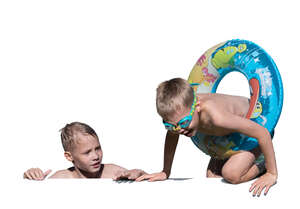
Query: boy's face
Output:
(191,130)
(86,153)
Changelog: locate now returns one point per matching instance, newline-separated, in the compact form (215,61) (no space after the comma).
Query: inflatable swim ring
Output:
(266,91)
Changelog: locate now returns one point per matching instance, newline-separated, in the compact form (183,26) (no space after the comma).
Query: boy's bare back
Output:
(216,106)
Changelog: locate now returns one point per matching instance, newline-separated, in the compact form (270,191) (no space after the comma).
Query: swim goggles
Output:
(184,122)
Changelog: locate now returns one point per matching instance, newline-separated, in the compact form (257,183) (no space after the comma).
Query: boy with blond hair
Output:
(82,148)
(185,112)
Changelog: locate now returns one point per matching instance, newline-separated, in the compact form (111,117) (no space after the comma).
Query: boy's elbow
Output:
(264,135)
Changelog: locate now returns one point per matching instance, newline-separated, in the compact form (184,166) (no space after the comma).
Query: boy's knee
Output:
(210,174)
(231,175)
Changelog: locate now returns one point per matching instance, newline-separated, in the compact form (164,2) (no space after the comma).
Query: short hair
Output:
(172,96)
(69,134)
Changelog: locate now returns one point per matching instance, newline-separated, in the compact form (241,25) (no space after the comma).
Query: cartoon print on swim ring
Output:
(266,91)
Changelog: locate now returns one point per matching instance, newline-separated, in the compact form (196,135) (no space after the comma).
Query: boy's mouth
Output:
(188,133)
(96,165)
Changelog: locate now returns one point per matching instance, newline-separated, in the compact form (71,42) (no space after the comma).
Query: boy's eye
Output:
(87,152)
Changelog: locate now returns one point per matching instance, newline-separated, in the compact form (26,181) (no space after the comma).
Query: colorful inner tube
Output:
(266,91)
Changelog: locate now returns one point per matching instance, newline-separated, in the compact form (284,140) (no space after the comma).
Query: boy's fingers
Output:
(117,177)
(155,178)
(121,175)
(267,189)
(40,174)
(253,190)
(31,172)
(260,190)
(254,184)
(27,176)
(140,178)
(34,174)
(151,179)
(130,176)
(252,187)
(143,177)
(47,173)
(256,190)
(124,174)
(135,175)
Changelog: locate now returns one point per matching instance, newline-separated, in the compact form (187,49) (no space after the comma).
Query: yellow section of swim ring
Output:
(199,72)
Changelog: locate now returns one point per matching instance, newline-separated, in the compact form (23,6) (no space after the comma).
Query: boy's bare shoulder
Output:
(210,107)
(63,174)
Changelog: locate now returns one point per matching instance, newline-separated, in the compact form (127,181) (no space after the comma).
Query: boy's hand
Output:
(129,174)
(36,174)
(265,181)
(153,177)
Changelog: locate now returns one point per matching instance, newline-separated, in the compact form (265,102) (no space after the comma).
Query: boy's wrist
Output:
(166,172)
(273,173)
(271,168)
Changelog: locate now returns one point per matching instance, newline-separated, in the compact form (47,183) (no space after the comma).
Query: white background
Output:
(100,63)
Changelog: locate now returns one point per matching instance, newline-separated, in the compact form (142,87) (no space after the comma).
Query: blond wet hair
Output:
(69,134)
(172,96)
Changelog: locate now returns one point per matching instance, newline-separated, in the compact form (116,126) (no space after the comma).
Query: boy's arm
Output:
(169,151)
(117,172)
(62,174)
(251,129)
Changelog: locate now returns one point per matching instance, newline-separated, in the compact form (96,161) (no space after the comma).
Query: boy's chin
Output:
(94,170)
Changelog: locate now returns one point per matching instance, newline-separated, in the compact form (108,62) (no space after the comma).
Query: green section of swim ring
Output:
(224,57)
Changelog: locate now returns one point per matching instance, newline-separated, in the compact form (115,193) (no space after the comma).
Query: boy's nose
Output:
(95,156)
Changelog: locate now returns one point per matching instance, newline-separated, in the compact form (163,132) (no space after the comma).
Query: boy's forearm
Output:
(169,151)
(267,149)
(251,129)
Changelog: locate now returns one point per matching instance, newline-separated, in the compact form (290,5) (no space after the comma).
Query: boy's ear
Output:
(68,156)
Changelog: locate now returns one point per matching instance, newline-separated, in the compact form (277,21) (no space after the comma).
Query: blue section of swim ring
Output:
(254,62)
